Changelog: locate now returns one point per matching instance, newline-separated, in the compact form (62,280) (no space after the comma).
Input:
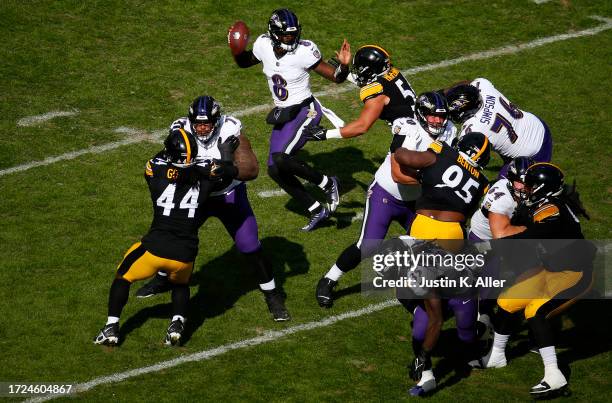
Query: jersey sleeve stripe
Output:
(370,90)
(436,147)
(550,210)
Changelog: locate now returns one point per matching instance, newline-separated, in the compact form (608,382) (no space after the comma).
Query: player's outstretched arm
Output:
(337,74)
(414,159)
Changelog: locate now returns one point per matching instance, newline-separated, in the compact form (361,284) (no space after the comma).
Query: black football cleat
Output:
(552,386)
(108,336)
(174,333)
(325,287)
(157,285)
(333,194)
(276,306)
(316,219)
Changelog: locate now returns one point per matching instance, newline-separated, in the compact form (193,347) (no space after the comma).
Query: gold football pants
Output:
(140,264)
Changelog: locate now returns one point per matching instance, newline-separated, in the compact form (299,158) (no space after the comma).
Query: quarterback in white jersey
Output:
(287,61)
(513,132)
(225,155)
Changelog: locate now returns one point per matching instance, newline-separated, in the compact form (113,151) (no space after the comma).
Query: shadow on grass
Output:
(342,162)
(589,336)
(222,281)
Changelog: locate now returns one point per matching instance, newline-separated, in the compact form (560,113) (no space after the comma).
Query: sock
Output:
(500,341)
(427,376)
(180,299)
(181,318)
(162,274)
(269,286)
(324,182)
(114,319)
(118,296)
(549,358)
(334,273)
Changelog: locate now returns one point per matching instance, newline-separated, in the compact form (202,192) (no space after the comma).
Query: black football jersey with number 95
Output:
(176,198)
(451,183)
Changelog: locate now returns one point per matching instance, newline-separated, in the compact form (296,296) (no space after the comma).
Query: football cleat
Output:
(325,287)
(488,361)
(424,389)
(316,218)
(108,336)
(157,285)
(276,306)
(174,333)
(332,193)
(554,384)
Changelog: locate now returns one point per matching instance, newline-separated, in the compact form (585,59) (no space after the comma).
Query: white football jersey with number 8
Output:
(289,76)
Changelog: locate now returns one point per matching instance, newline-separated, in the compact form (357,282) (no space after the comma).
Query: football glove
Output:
(421,363)
(228,147)
(315,133)
(223,170)
(572,197)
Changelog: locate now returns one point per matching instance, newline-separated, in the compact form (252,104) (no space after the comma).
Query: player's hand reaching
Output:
(315,133)
(223,171)
(344,54)
(228,147)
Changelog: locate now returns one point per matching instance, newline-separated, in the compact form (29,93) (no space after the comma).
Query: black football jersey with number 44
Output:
(176,201)
(398,89)
(451,183)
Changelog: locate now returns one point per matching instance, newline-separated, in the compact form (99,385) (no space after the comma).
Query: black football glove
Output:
(223,170)
(315,133)
(228,147)
(522,215)
(421,363)
(572,198)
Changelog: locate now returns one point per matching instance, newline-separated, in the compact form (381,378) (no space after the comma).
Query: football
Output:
(238,37)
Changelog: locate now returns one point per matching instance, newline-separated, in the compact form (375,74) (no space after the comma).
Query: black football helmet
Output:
(543,181)
(181,148)
(369,62)
(283,23)
(463,102)
(428,104)
(204,110)
(476,147)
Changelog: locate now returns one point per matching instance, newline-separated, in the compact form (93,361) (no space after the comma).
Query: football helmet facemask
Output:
(284,29)
(369,62)
(432,112)
(204,115)
(542,182)
(516,174)
(181,148)
(476,147)
(463,102)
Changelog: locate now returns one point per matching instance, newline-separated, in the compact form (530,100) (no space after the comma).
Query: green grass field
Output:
(64,226)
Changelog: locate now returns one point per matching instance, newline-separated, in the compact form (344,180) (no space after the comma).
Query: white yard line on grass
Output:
(505,50)
(34,120)
(540,1)
(267,337)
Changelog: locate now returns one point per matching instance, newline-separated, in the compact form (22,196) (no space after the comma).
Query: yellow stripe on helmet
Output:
(186,138)
(482,149)
(547,163)
(377,47)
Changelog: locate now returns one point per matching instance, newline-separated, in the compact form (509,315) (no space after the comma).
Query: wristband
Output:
(333,134)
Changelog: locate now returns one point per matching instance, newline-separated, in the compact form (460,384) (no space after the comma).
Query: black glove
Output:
(522,215)
(572,198)
(228,147)
(315,133)
(223,170)
(421,363)
(203,170)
